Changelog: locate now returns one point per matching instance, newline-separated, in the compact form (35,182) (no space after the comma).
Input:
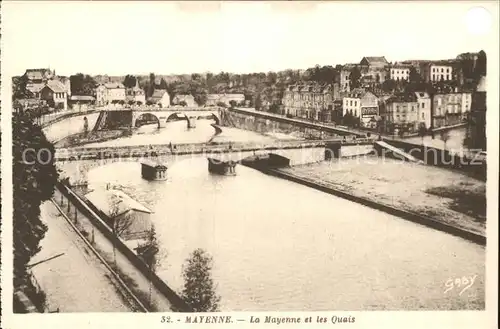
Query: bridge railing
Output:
(139,151)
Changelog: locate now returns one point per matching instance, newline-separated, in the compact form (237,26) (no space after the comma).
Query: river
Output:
(173,132)
(281,246)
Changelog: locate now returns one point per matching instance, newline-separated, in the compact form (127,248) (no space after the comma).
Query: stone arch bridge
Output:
(75,164)
(132,116)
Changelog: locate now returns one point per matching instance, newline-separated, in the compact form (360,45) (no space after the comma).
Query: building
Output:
(35,88)
(437,71)
(153,171)
(110,93)
(361,104)
(101,95)
(115,92)
(400,72)
(54,93)
(374,62)
(401,111)
(343,77)
(310,101)
(80,102)
(160,97)
(135,94)
(188,100)
(424,109)
(450,108)
(130,219)
(37,76)
(214,99)
(373,70)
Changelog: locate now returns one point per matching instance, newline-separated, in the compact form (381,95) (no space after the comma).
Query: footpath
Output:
(66,268)
(136,281)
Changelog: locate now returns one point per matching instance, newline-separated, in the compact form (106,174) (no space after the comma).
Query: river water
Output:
(281,246)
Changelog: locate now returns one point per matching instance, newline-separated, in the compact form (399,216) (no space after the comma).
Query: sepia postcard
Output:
(247,164)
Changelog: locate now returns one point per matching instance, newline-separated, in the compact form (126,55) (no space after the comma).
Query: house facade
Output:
(214,99)
(310,101)
(54,93)
(374,70)
(160,97)
(450,108)
(400,72)
(115,92)
(187,99)
(401,110)
(111,92)
(136,95)
(361,104)
(424,108)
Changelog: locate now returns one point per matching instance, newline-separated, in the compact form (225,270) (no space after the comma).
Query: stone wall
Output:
(263,124)
(442,158)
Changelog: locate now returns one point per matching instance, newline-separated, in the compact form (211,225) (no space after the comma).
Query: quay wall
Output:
(266,123)
(442,158)
(413,217)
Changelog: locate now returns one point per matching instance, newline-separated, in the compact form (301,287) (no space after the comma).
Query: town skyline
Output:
(283,39)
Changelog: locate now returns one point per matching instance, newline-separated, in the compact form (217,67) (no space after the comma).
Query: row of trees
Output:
(34,180)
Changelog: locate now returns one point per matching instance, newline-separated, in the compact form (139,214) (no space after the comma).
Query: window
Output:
(350,103)
(397,108)
(423,105)
(423,115)
(442,70)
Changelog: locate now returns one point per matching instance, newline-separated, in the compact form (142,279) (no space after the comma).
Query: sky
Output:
(118,38)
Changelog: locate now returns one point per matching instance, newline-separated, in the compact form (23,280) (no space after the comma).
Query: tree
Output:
(34,181)
(389,85)
(129,81)
(199,289)
(163,84)
(480,65)
(258,102)
(82,84)
(355,77)
(19,90)
(414,77)
(119,222)
(445,136)
(200,98)
(148,253)
(274,108)
(151,85)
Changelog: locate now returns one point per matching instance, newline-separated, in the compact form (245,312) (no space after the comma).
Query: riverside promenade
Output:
(61,277)
(137,282)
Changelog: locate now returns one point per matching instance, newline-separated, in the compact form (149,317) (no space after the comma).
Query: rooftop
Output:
(56,86)
(114,202)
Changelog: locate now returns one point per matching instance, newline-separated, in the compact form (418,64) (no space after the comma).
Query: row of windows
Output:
(400,71)
(436,70)
(59,95)
(436,77)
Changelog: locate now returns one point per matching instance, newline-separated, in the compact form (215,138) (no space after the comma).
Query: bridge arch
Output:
(148,117)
